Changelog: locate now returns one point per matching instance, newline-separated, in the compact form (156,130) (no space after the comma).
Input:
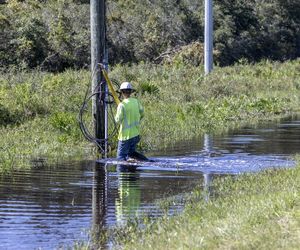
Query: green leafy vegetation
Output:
(39,110)
(55,35)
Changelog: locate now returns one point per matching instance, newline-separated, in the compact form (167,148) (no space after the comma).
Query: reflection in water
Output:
(49,207)
(207,147)
(129,199)
(99,204)
(207,143)
(276,138)
(207,185)
(127,193)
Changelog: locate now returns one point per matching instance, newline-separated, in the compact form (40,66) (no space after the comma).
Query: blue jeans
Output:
(126,148)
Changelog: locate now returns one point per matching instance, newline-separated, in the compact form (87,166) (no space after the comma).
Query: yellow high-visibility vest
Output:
(129,115)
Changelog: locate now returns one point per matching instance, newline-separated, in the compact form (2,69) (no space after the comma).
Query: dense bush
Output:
(54,34)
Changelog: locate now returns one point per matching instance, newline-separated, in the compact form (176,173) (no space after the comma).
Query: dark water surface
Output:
(49,207)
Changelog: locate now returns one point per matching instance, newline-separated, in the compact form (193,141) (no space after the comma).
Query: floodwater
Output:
(51,207)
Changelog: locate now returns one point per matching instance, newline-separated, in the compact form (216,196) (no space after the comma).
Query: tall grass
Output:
(38,111)
(181,103)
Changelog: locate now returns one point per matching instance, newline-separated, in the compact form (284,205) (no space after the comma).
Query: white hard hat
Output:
(126,85)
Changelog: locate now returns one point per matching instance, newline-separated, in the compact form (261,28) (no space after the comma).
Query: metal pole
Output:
(97,15)
(105,63)
(208,37)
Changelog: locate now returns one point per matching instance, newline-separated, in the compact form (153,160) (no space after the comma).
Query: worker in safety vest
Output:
(129,114)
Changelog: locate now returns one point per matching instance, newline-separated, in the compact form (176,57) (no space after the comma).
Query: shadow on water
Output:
(49,207)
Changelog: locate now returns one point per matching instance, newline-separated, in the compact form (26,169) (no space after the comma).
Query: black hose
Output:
(86,133)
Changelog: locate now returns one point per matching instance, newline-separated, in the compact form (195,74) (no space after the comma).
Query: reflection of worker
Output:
(129,114)
(129,200)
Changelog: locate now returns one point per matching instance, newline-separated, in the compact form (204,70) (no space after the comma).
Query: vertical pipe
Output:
(97,19)
(208,37)
(105,63)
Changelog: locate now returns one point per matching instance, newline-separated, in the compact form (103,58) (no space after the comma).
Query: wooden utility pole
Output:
(208,37)
(98,38)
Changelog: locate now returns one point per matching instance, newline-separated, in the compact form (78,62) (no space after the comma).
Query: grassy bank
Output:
(255,211)
(38,114)
(38,111)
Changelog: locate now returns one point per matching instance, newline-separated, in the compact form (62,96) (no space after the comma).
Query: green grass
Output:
(38,111)
(41,111)
(252,211)
(37,140)
(182,103)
